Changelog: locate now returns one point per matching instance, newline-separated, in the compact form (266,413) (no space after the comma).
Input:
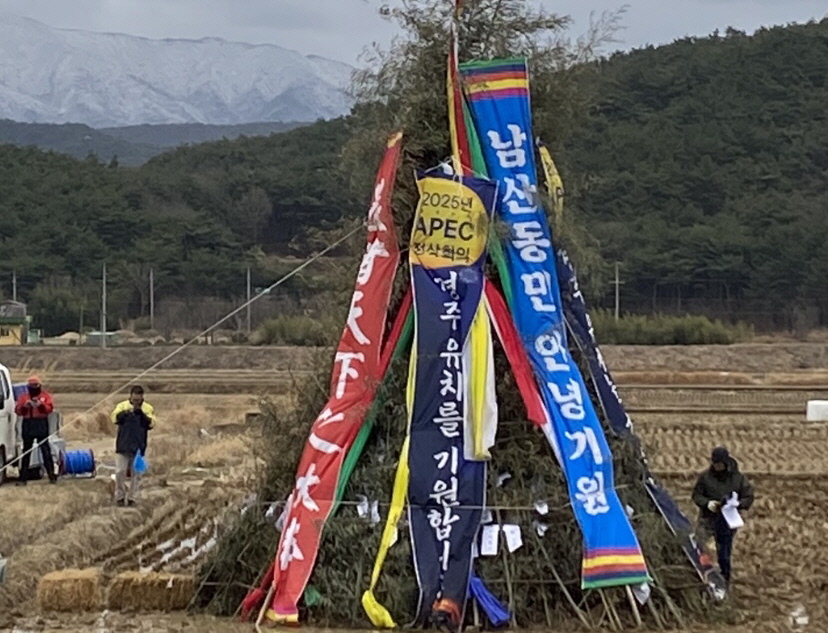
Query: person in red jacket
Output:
(34,406)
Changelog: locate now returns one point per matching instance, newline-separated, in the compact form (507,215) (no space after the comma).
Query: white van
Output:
(11,442)
(8,422)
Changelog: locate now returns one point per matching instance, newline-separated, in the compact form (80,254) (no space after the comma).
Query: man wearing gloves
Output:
(714,488)
(134,418)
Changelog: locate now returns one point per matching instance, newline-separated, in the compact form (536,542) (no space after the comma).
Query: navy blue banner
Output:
(446,493)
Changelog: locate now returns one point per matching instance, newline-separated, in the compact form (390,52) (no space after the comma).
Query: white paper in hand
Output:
(489,540)
(731,514)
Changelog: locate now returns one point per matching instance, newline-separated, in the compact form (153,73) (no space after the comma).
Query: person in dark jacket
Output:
(713,489)
(34,406)
(134,418)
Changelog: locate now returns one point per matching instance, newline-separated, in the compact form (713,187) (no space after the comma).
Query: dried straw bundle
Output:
(70,590)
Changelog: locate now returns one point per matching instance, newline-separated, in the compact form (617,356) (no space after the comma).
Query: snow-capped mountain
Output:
(52,75)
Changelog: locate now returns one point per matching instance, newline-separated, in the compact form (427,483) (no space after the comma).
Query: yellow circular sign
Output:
(451,225)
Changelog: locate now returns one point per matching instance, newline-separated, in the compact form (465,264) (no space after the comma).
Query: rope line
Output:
(181,347)
(385,504)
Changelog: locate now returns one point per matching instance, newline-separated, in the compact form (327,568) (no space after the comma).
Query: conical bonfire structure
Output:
(473,464)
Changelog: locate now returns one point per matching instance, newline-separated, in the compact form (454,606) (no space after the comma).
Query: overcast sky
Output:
(340,29)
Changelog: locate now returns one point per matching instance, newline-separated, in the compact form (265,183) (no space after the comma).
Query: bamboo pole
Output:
(633,605)
(656,615)
(581,615)
(671,606)
(508,572)
(612,615)
(264,608)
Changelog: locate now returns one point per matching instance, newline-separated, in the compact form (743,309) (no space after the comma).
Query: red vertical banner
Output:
(356,375)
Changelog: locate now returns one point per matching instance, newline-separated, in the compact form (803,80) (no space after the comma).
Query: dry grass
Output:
(137,591)
(220,452)
(169,451)
(88,425)
(63,543)
(70,590)
(41,509)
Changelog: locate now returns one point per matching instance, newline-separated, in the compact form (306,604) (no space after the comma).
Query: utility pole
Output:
(248,299)
(617,283)
(152,298)
(103,307)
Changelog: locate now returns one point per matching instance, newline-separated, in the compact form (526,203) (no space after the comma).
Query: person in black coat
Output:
(713,489)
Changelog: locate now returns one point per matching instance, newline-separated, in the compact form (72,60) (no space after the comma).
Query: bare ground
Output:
(747,357)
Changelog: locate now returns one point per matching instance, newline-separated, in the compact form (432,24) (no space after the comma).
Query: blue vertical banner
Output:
(498,97)
(446,493)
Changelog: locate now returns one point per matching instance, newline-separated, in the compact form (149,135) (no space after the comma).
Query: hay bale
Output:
(150,591)
(70,590)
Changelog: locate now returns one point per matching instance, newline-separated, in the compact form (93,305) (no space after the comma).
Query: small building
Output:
(14,323)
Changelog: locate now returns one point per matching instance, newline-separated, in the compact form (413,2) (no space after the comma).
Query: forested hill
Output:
(131,145)
(702,168)
(197,215)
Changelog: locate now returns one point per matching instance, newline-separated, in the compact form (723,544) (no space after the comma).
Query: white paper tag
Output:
(642,593)
(541,507)
(475,550)
(514,539)
(630,511)
(395,536)
(540,528)
(489,540)
(486,517)
(375,517)
(502,478)
(362,507)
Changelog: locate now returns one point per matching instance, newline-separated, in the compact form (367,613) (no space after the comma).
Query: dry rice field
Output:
(202,463)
